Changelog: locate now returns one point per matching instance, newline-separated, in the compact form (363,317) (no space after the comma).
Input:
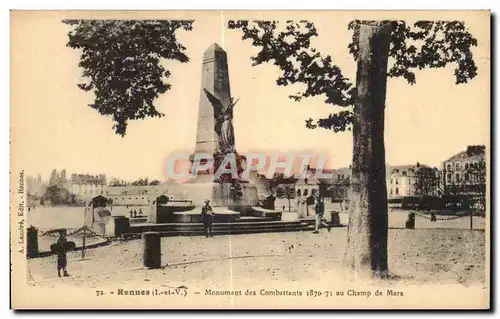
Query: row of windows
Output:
(91,192)
(86,186)
(131,198)
(409,181)
(142,192)
(342,177)
(299,192)
(467,177)
(458,166)
(396,191)
(305,192)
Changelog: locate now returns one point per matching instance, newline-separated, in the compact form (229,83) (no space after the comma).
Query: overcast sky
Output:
(52,126)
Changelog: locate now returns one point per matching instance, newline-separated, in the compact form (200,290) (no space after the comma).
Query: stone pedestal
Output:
(219,194)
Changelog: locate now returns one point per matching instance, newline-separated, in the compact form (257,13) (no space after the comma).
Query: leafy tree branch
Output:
(425,44)
(121,64)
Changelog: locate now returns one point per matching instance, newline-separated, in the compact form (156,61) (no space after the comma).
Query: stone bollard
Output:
(433,217)
(335,221)
(410,223)
(152,250)
(32,242)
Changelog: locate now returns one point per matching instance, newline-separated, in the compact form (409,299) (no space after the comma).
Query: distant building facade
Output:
(85,186)
(259,181)
(134,195)
(339,186)
(307,184)
(465,171)
(401,181)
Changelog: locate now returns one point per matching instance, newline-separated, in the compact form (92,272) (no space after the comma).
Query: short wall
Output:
(197,218)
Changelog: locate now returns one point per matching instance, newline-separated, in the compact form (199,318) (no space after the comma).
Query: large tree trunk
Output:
(366,250)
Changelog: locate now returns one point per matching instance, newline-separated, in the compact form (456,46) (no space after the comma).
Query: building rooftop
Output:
(88,179)
(400,169)
(463,156)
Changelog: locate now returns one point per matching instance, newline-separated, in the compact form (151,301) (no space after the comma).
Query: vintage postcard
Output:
(250,160)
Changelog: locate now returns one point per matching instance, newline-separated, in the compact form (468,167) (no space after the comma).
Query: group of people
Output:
(133,213)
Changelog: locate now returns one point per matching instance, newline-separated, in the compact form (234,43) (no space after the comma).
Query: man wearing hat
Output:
(320,211)
(207,216)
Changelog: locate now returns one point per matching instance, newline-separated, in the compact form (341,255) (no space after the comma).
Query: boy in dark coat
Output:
(207,216)
(62,261)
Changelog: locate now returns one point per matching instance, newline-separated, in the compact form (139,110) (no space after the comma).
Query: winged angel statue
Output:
(223,113)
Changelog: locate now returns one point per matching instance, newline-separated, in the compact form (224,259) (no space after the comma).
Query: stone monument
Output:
(215,136)
(215,100)
(230,197)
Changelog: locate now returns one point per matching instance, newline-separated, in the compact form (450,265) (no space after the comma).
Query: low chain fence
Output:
(82,231)
(436,218)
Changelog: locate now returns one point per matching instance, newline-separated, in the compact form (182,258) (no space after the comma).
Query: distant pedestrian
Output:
(62,261)
(135,213)
(207,216)
(283,207)
(320,211)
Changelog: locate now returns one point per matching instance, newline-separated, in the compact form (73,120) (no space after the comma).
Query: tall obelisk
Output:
(216,109)
(214,79)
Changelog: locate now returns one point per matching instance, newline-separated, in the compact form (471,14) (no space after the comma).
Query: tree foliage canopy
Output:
(426,180)
(278,185)
(58,195)
(121,64)
(425,44)
(476,150)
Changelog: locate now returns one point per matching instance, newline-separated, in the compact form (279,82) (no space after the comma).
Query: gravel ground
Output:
(421,256)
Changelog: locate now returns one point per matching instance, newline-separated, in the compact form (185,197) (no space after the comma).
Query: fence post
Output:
(471,219)
(32,246)
(410,222)
(83,241)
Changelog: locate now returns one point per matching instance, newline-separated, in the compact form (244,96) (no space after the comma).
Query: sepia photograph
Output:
(250,160)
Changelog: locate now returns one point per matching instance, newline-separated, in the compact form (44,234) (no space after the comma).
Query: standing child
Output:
(62,260)
(207,216)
